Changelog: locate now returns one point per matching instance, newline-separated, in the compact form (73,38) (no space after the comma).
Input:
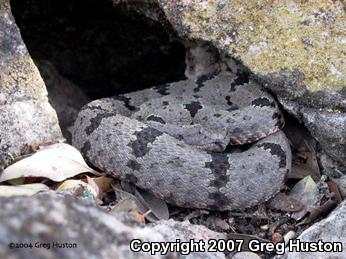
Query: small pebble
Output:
(277,237)
(264,227)
(231,221)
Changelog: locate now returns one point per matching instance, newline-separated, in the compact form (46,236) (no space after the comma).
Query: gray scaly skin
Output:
(171,140)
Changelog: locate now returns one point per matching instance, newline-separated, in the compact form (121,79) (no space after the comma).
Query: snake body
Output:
(174,141)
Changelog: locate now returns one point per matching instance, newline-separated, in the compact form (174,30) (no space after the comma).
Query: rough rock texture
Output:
(66,98)
(294,48)
(172,230)
(329,129)
(342,185)
(26,116)
(48,218)
(271,36)
(331,229)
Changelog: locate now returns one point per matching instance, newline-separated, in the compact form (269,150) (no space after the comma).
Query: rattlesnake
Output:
(173,140)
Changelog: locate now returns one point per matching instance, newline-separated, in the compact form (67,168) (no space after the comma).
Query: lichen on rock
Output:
(26,116)
(271,36)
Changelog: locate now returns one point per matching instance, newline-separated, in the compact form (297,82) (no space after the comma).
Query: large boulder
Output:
(47,221)
(27,119)
(304,39)
(330,229)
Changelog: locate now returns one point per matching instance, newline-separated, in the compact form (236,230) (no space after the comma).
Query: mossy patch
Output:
(269,36)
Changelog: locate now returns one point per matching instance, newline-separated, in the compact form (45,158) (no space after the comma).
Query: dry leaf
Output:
(70,184)
(158,207)
(341,182)
(333,188)
(126,202)
(284,202)
(101,184)
(56,162)
(306,191)
(126,205)
(20,190)
(316,212)
(151,207)
(104,183)
(17,181)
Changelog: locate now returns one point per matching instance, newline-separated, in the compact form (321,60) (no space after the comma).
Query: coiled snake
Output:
(173,140)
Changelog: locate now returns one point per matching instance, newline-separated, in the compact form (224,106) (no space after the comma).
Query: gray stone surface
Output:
(329,129)
(48,218)
(26,116)
(288,38)
(341,182)
(66,98)
(330,229)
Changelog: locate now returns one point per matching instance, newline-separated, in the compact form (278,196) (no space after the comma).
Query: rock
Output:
(329,129)
(185,231)
(341,182)
(27,119)
(66,98)
(148,8)
(330,229)
(303,40)
(89,232)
